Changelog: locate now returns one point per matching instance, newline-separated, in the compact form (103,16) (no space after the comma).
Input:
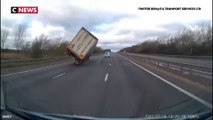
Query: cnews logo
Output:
(24,10)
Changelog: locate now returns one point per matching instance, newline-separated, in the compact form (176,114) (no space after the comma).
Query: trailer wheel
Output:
(78,62)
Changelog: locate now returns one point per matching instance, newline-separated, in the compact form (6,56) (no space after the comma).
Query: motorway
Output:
(103,87)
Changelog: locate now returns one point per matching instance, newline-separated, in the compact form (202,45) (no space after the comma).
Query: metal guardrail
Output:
(181,56)
(182,67)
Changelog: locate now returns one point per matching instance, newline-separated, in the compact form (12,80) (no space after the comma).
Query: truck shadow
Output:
(86,63)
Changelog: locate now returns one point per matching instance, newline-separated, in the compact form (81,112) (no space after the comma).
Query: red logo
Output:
(24,10)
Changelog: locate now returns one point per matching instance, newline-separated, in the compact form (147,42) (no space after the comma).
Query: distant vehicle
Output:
(107,53)
(82,46)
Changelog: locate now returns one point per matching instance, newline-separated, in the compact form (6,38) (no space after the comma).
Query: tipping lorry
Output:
(82,46)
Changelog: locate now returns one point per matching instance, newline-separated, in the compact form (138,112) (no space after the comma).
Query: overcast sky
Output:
(116,23)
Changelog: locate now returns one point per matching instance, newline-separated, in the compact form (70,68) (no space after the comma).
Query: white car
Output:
(107,54)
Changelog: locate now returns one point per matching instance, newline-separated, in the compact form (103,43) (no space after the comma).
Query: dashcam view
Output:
(106,59)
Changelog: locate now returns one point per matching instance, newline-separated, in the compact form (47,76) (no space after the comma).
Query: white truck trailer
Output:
(82,46)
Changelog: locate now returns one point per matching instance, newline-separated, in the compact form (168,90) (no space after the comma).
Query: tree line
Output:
(197,42)
(41,46)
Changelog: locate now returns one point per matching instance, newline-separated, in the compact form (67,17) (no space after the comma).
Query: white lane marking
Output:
(198,74)
(173,85)
(58,75)
(32,70)
(186,72)
(202,71)
(106,77)
(174,68)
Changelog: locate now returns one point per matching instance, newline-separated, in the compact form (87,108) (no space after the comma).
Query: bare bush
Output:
(19,36)
(38,46)
(4,36)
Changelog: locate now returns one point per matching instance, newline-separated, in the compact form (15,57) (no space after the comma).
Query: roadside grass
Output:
(18,62)
(30,62)
(11,55)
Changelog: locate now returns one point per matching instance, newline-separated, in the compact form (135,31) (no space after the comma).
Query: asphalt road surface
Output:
(103,87)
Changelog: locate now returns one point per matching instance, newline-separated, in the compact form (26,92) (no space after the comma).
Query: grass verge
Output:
(29,63)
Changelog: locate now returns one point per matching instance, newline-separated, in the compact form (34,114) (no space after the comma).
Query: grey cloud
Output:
(13,24)
(117,45)
(148,33)
(142,34)
(123,41)
(72,18)
(173,26)
(56,33)
(8,23)
(202,23)
(127,31)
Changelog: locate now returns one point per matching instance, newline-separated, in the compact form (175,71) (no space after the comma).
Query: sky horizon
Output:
(117,24)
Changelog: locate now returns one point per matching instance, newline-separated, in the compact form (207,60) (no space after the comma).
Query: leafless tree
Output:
(4,36)
(19,36)
(185,42)
(43,39)
(25,46)
(40,44)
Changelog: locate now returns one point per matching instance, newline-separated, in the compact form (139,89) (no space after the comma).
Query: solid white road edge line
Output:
(58,75)
(206,76)
(32,70)
(173,85)
(106,77)
(202,72)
